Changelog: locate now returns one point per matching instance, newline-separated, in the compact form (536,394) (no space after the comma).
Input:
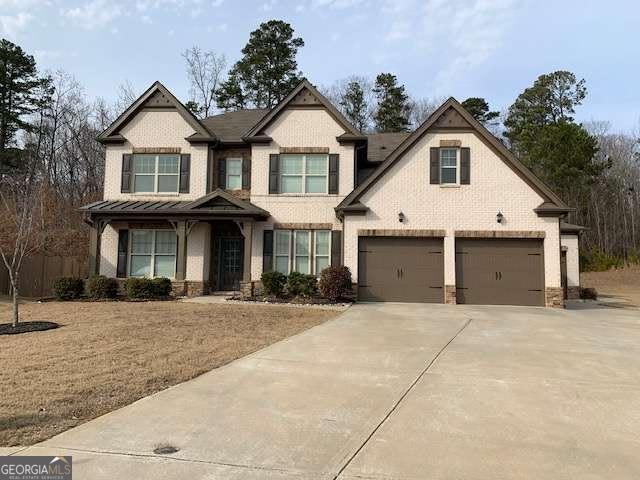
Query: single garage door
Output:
(400,269)
(499,271)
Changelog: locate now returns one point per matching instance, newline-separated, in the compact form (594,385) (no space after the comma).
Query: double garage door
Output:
(488,271)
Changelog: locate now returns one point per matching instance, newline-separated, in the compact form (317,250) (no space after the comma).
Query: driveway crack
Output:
(399,401)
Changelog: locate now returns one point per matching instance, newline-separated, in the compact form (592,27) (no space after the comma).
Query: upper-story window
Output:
(449,167)
(234,174)
(156,173)
(308,173)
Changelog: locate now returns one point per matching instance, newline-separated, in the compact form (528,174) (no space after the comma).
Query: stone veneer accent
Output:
(573,292)
(554,297)
(189,288)
(499,234)
(400,233)
(249,289)
(450,294)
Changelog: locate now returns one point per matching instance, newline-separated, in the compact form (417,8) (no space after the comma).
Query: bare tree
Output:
(337,91)
(126,96)
(206,71)
(421,108)
(20,195)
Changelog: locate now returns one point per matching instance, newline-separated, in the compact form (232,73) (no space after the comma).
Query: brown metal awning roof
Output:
(216,204)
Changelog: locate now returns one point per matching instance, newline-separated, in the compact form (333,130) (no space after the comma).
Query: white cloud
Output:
(336,4)
(216,3)
(94,14)
(463,32)
(22,4)
(12,25)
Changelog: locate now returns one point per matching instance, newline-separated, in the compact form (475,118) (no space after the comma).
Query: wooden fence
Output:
(39,272)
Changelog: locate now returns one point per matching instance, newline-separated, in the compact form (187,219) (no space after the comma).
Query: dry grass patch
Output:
(617,282)
(107,355)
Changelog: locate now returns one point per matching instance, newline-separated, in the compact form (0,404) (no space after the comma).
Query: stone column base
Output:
(189,288)
(573,292)
(250,289)
(450,294)
(554,297)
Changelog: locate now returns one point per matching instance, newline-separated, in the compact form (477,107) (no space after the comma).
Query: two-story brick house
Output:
(444,214)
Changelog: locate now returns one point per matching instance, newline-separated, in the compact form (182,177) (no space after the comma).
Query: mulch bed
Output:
(290,300)
(25,327)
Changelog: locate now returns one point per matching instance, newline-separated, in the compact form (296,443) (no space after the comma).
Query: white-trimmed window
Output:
(304,251)
(449,166)
(152,253)
(282,251)
(234,174)
(322,250)
(304,173)
(156,173)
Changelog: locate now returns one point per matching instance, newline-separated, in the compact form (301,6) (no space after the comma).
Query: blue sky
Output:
(488,48)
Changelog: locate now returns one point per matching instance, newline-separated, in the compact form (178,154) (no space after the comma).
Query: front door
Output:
(230,263)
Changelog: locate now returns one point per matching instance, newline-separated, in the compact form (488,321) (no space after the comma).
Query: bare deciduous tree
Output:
(421,108)
(206,71)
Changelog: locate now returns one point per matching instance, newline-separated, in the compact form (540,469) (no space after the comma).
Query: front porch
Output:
(203,246)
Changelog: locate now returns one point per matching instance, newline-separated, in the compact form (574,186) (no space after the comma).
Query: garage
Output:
(400,269)
(499,271)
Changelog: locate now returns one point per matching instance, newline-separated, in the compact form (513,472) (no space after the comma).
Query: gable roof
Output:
(452,115)
(156,96)
(230,127)
(304,95)
(380,145)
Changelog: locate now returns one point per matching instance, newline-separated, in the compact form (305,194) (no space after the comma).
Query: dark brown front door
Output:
(400,269)
(230,263)
(499,271)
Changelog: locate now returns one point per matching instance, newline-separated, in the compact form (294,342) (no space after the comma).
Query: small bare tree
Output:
(206,71)
(20,195)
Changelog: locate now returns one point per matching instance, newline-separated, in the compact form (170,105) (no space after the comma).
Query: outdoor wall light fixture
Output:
(499,217)
(401,217)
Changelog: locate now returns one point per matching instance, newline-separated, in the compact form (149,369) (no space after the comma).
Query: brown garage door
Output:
(400,269)
(499,271)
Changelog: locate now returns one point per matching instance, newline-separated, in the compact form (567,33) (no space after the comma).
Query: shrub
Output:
(335,282)
(588,293)
(301,284)
(273,283)
(161,287)
(68,288)
(599,261)
(140,288)
(100,286)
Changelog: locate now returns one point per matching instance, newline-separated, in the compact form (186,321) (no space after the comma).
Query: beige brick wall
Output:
(573,259)
(297,128)
(153,128)
(494,187)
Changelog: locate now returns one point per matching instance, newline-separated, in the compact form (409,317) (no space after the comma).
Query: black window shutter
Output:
(434,163)
(185,170)
(274,173)
(336,248)
(222,173)
(246,172)
(465,166)
(334,168)
(267,251)
(125,182)
(123,250)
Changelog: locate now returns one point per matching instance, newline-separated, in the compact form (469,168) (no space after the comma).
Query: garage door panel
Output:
(500,271)
(400,269)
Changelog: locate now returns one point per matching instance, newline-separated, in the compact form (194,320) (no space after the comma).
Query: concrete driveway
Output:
(395,391)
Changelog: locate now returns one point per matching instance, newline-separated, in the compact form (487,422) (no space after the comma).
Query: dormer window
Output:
(156,173)
(449,166)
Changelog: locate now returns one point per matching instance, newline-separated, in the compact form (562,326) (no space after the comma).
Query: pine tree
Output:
(479,108)
(268,70)
(355,105)
(393,104)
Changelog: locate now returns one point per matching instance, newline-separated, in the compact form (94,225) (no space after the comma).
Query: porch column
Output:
(181,261)
(248,236)
(94,251)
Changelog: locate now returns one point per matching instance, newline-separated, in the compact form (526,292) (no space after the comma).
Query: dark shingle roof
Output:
(231,126)
(380,145)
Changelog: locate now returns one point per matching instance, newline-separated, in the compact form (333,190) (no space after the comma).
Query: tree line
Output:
(50,163)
